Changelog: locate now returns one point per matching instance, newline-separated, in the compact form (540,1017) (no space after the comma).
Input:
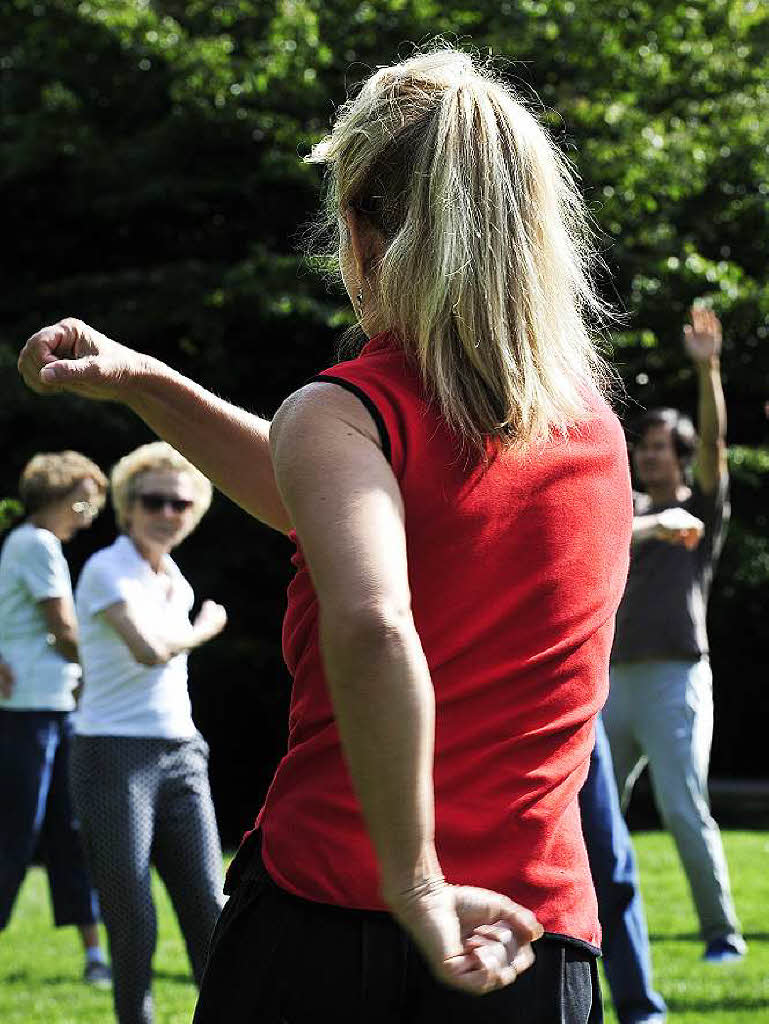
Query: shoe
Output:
(97,973)
(729,949)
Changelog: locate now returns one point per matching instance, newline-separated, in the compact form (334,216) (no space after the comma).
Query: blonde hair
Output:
(158,455)
(50,476)
(485,278)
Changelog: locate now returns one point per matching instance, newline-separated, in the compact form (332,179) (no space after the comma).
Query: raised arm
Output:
(229,445)
(346,503)
(702,341)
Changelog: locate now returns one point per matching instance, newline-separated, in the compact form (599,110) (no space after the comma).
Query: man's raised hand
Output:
(702,337)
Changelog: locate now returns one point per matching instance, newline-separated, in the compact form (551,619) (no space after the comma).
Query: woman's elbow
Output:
(151,656)
(372,628)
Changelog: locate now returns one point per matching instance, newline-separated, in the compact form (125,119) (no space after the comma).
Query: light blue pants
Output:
(660,713)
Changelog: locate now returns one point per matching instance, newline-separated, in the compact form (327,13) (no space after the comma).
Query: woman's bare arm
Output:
(346,503)
(152,646)
(229,445)
(61,624)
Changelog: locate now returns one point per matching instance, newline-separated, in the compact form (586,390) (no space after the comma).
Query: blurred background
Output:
(152,185)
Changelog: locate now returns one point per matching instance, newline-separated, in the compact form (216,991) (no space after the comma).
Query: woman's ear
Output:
(366,242)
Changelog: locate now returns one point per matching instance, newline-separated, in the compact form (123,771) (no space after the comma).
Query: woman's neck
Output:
(151,553)
(47,519)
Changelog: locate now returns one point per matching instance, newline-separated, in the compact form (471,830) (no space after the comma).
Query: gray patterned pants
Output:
(143,801)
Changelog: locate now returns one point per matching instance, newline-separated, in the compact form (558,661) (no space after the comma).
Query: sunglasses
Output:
(156,502)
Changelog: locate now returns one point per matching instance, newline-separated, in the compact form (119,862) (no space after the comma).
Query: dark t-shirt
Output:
(663,610)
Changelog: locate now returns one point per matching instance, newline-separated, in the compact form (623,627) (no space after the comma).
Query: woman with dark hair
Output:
(460,500)
(660,711)
(62,493)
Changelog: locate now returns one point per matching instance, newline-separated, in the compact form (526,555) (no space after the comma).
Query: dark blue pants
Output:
(35,808)
(625,939)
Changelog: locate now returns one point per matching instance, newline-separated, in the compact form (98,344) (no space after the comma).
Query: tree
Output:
(150,164)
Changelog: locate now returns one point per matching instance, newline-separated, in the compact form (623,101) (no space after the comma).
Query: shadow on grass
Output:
(177,977)
(694,937)
(729,1003)
(27,979)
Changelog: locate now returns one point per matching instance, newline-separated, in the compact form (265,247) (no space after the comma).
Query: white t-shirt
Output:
(33,568)
(121,697)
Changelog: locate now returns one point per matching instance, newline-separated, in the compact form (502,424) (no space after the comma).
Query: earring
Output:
(359,300)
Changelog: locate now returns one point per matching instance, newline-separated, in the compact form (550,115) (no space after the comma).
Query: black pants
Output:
(278,959)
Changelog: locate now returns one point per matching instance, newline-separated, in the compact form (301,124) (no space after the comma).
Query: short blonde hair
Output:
(486,274)
(158,455)
(50,476)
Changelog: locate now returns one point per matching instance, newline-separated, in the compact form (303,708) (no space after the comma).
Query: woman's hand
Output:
(210,620)
(6,680)
(473,939)
(71,356)
(230,446)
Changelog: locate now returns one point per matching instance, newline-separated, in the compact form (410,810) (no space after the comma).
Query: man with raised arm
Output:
(660,708)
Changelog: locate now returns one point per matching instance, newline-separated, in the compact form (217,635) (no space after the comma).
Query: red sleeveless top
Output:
(516,571)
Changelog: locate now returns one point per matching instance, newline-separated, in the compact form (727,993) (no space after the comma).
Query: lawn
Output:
(40,966)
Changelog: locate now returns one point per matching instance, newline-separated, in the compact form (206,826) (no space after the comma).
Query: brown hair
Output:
(50,476)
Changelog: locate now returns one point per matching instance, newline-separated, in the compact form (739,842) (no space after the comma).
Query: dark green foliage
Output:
(152,186)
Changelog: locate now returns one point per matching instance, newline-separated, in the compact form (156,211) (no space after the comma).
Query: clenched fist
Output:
(211,619)
(71,356)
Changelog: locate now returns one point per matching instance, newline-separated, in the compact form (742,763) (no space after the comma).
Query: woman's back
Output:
(516,569)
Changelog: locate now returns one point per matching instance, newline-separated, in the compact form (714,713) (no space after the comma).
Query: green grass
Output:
(40,966)
(697,993)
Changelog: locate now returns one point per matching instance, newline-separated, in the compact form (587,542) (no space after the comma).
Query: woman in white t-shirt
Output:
(62,492)
(139,765)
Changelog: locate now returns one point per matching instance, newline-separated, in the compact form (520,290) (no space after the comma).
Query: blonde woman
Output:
(62,493)
(139,765)
(460,499)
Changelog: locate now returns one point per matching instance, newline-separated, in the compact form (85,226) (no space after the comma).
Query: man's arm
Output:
(702,341)
(347,506)
(674,525)
(229,445)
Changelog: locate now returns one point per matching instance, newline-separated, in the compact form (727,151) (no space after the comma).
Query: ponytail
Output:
(485,277)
